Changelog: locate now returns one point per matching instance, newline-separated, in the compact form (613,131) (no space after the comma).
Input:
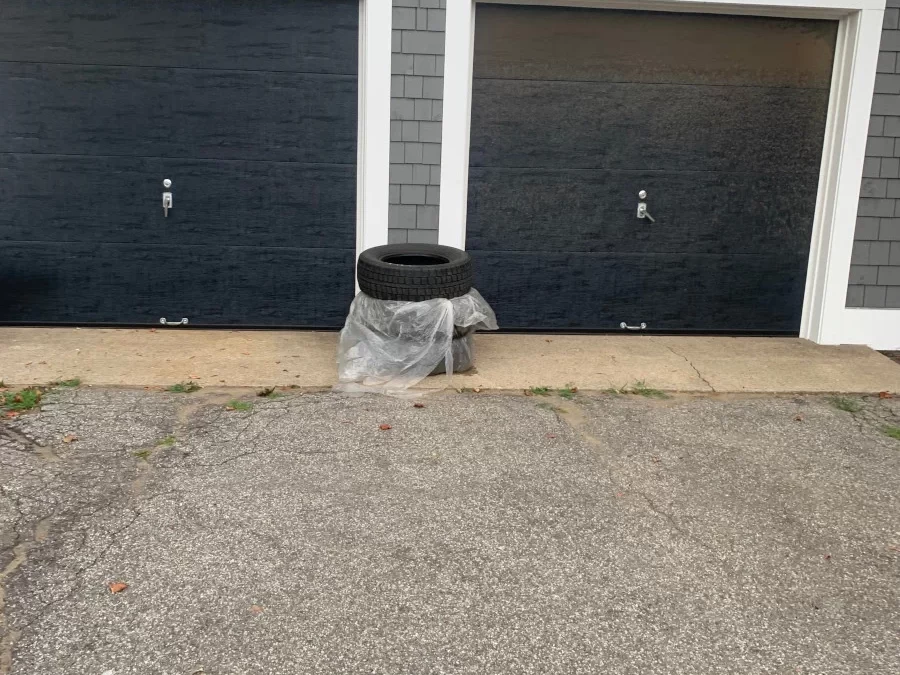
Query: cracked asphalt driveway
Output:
(479,534)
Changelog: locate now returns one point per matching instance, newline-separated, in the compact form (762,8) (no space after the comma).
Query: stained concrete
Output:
(481,533)
(161,357)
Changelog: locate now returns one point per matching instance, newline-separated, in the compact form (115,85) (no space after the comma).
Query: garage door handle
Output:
(624,325)
(183,322)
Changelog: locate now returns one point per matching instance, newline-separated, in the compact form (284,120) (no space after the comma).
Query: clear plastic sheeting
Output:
(388,346)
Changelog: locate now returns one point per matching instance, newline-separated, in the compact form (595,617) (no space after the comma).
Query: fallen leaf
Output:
(69,438)
(246,353)
(827,556)
(655,460)
(418,405)
(477,390)
(12,413)
(528,392)
(885,394)
(152,330)
(194,377)
(384,427)
(29,363)
(620,494)
(256,610)
(117,586)
(798,418)
(548,340)
(551,435)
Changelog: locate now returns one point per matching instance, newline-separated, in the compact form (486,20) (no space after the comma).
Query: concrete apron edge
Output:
(306,361)
(417,392)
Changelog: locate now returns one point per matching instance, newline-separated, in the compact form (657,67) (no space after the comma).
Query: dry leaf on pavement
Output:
(117,586)
(256,610)
(885,394)
(418,405)
(384,427)
(69,438)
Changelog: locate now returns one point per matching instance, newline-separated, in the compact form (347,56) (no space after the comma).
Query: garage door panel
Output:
(591,210)
(669,291)
(566,43)
(159,112)
(639,126)
(56,198)
(301,36)
(138,284)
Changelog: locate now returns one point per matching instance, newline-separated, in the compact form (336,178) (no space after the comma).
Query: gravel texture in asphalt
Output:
(480,533)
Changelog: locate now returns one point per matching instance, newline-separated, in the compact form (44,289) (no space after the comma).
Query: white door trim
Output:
(825,318)
(374,118)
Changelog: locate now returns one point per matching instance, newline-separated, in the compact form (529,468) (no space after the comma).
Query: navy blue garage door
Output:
(720,119)
(249,108)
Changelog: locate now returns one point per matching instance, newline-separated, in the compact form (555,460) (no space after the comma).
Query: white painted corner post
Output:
(374,133)
(459,43)
(825,315)
(825,318)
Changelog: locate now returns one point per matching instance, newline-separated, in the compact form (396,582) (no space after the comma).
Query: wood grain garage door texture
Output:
(250,108)
(720,119)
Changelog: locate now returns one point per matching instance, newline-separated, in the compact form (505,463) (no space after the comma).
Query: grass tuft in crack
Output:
(640,388)
(552,408)
(166,442)
(142,454)
(269,392)
(184,387)
(568,392)
(25,399)
(893,432)
(234,404)
(850,405)
(74,382)
(539,391)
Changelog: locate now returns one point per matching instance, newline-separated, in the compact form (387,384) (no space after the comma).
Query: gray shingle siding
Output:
(875,265)
(417,90)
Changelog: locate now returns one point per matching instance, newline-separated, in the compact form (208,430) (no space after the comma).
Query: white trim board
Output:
(374,119)
(856,54)
(878,328)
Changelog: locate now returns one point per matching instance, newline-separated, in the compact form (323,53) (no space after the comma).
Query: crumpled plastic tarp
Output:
(388,346)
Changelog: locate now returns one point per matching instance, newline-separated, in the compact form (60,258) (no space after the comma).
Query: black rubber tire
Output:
(414,272)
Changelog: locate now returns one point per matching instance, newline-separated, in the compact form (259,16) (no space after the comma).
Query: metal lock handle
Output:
(642,211)
(167,198)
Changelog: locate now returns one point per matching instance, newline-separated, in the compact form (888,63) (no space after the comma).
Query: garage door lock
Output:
(642,326)
(167,197)
(164,322)
(642,211)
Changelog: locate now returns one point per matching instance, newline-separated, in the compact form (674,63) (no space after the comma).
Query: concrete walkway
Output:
(223,358)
